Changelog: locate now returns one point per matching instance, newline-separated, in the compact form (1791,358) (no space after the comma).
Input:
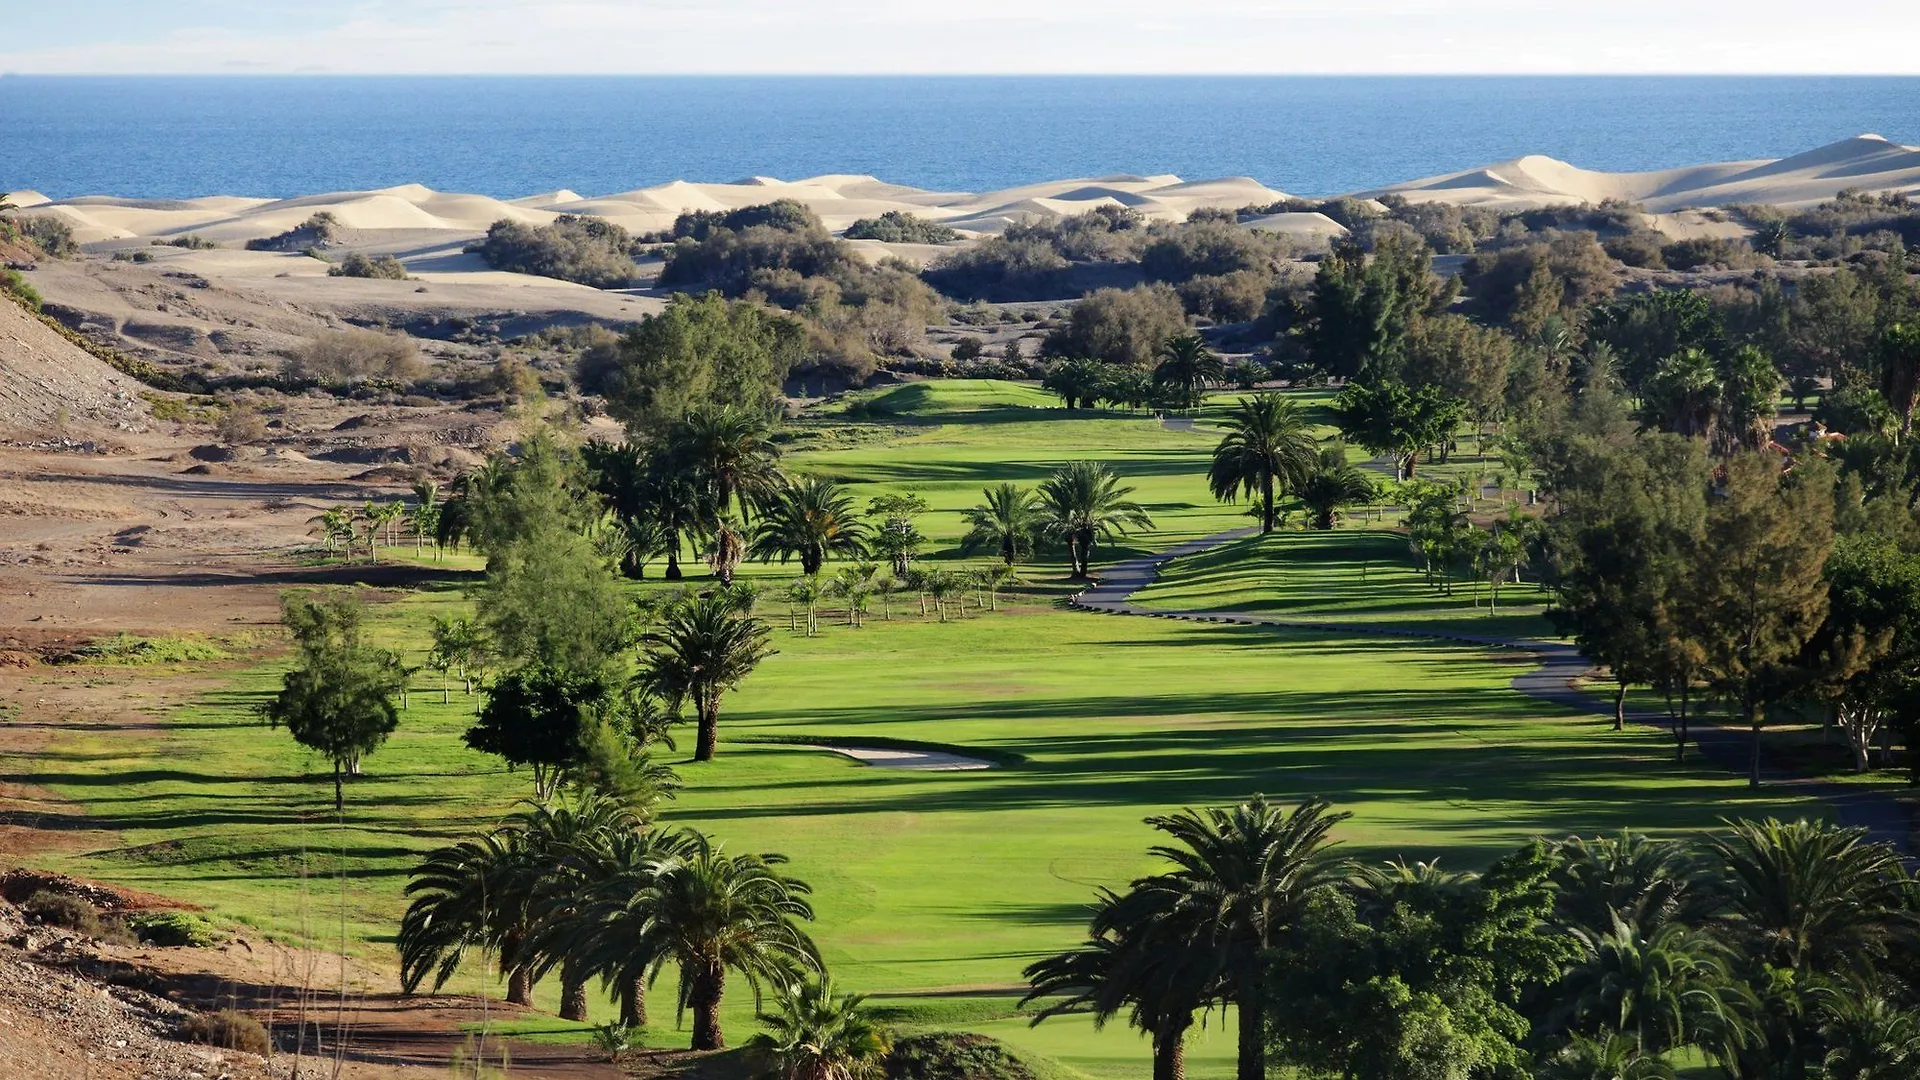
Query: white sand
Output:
(415,212)
(918,760)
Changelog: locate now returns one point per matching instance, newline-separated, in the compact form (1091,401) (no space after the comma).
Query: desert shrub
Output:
(228,1030)
(730,259)
(241,424)
(354,356)
(1120,326)
(64,911)
(1522,286)
(191,241)
(316,232)
(953,1056)
(173,929)
(1227,298)
(138,256)
(1219,215)
(50,234)
(385,267)
(20,290)
(1001,267)
(1724,253)
(968,349)
(1641,248)
(900,227)
(583,250)
(1210,249)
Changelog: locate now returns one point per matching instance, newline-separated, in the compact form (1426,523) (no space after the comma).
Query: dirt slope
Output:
(50,389)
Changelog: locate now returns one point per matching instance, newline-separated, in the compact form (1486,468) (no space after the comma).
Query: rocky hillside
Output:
(51,390)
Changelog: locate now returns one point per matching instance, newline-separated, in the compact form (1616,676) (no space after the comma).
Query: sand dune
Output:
(1867,161)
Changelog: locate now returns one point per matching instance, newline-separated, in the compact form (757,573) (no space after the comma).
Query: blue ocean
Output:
(167,137)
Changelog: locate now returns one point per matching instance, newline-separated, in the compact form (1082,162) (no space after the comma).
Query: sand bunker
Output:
(918,760)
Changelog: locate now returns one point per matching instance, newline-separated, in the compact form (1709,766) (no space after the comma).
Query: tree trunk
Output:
(1266,503)
(1680,751)
(1620,704)
(573,995)
(1253,1043)
(520,987)
(633,1002)
(707,988)
(672,571)
(1170,1051)
(339,792)
(1754,711)
(709,735)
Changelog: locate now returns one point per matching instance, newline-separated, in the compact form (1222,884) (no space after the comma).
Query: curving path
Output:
(1883,816)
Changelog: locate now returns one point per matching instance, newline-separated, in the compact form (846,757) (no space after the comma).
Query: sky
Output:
(960,37)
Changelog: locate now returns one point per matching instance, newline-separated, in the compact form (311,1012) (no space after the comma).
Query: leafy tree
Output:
(814,1034)
(702,648)
(1438,529)
(1364,307)
(460,647)
(338,700)
(535,716)
(897,539)
(1465,361)
(1083,502)
(1268,449)
(701,350)
(810,519)
(1868,652)
(551,600)
(1005,522)
(1761,593)
(1644,329)
(1120,326)
(1392,418)
(1240,878)
(1186,368)
(1900,370)
(1079,383)
(1332,485)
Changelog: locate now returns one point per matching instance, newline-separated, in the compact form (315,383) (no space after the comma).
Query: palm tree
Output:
(1082,502)
(426,509)
(473,894)
(814,1034)
(812,520)
(1240,877)
(1867,1038)
(620,478)
(1186,367)
(702,648)
(1612,1056)
(1333,484)
(672,497)
(1663,989)
(727,550)
(559,844)
(1134,960)
(601,925)
(1810,897)
(730,453)
(1267,448)
(1005,523)
(1628,878)
(712,913)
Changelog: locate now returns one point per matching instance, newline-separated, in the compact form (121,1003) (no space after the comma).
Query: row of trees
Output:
(1185,368)
(1772,950)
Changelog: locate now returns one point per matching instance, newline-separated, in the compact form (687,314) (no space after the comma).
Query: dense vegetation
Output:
(584,250)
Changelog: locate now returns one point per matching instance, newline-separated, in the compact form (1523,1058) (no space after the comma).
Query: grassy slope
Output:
(930,884)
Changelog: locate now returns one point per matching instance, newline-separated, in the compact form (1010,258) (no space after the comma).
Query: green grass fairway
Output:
(1350,575)
(935,889)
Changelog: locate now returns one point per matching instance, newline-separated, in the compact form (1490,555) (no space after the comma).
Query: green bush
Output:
(953,1056)
(50,234)
(191,241)
(173,929)
(317,231)
(1120,326)
(384,267)
(16,286)
(228,1030)
(583,250)
(132,650)
(900,227)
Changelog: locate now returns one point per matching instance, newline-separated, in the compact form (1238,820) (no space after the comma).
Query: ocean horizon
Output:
(164,137)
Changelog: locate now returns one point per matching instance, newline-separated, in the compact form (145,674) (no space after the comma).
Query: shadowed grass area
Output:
(933,889)
(1353,576)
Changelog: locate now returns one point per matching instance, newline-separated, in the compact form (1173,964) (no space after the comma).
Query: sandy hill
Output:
(1866,161)
(50,389)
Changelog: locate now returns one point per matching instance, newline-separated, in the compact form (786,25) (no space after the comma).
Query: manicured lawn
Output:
(934,889)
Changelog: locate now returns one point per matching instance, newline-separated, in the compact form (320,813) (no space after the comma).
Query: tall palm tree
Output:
(711,913)
(601,926)
(1332,485)
(672,497)
(1005,523)
(1663,989)
(560,841)
(473,894)
(811,519)
(1083,502)
(1242,875)
(814,1034)
(730,453)
(702,648)
(1135,960)
(1268,449)
(1810,897)
(1186,367)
